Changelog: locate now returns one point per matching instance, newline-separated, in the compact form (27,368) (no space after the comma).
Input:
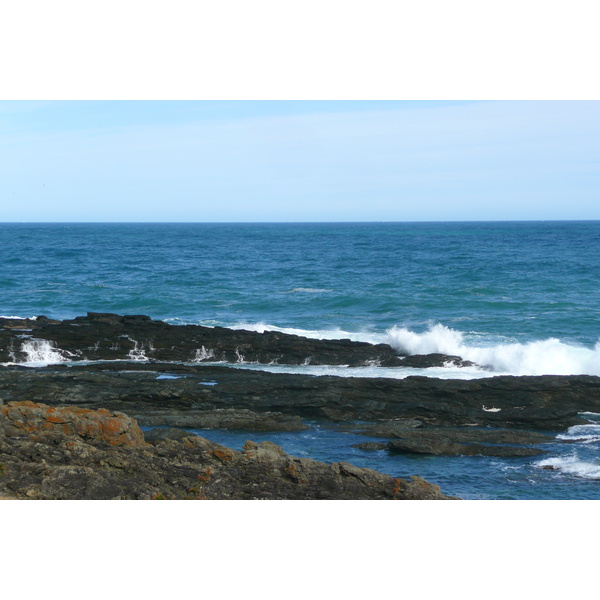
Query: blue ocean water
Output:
(516,297)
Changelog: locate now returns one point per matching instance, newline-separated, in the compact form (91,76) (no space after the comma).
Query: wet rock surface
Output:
(468,442)
(106,336)
(49,463)
(463,441)
(495,416)
(550,403)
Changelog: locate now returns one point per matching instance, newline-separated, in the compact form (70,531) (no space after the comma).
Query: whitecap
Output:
(542,357)
(308,291)
(581,433)
(572,465)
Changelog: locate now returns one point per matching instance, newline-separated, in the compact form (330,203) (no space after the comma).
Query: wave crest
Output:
(543,357)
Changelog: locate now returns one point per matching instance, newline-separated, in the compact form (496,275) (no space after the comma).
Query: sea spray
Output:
(41,352)
(542,357)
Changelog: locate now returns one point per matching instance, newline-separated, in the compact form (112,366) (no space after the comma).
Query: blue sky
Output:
(210,161)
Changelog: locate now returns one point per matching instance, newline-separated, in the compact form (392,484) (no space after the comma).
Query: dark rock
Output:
(488,435)
(442,447)
(223,418)
(106,336)
(391,428)
(468,441)
(535,403)
(370,446)
(424,361)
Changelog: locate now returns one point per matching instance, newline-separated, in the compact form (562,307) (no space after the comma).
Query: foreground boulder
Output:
(114,429)
(43,460)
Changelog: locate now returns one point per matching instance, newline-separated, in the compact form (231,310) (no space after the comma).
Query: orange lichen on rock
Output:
(224,455)
(116,429)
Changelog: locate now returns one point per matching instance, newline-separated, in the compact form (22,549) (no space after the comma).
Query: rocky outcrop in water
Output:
(468,442)
(105,336)
(409,437)
(549,403)
(49,462)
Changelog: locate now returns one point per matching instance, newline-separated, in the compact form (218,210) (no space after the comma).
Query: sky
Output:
(298,161)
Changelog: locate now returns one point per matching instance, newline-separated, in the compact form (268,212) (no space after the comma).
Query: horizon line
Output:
(294,222)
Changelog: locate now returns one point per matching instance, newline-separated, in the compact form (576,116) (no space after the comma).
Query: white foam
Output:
(318,334)
(572,465)
(203,354)
(307,291)
(367,371)
(20,318)
(581,433)
(138,352)
(544,357)
(41,352)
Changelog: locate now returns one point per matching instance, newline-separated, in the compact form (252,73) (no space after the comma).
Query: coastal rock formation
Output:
(106,336)
(425,361)
(48,462)
(440,446)
(550,403)
(223,418)
(465,441)
(114,429)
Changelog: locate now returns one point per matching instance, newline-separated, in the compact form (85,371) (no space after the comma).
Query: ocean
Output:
(516,297)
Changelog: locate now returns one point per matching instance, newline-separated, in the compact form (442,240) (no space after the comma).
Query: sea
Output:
(519,298)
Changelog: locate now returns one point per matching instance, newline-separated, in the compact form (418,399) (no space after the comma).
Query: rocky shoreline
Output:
(80,454)
(495,416)
(106,336)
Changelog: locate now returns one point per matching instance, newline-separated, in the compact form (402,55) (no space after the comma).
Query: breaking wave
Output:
(572,465)
(541,357)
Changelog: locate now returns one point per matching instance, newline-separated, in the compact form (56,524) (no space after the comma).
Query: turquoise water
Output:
(518,298)
(515,281)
